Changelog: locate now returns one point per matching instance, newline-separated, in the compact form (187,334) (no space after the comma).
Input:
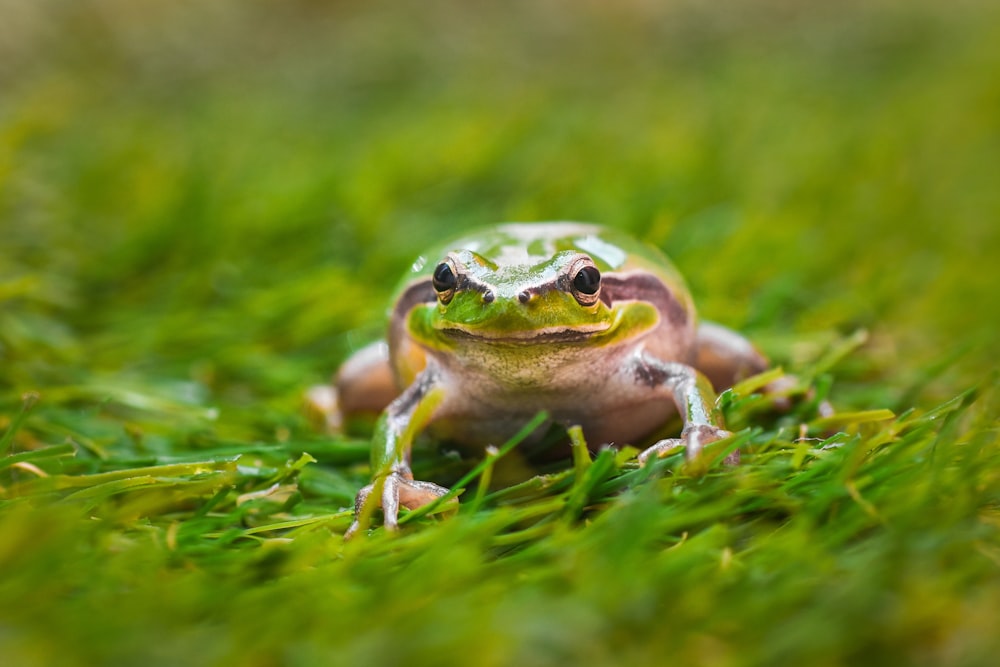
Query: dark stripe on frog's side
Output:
(416,293)
(641,286)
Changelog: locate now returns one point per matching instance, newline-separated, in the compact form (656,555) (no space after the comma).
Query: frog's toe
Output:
(697,436)
(360,501)
(402,490)
(414,493)
(693,439)
(660,449)
(397,490)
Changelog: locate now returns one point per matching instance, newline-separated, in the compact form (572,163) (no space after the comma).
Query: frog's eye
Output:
(587,280)
(586,284)
(444,281)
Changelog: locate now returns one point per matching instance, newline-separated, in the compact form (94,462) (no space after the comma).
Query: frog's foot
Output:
(398,489)
(323,408)
(781,388)
(693,439)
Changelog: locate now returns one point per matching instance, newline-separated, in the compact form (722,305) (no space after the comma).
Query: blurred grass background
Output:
(205,206)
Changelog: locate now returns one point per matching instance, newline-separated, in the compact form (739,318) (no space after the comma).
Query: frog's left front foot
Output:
(694,439)
(398,489)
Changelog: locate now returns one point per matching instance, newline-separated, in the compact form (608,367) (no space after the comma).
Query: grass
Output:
(205,208)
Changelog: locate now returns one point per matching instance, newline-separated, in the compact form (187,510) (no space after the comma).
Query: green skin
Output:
(513,328)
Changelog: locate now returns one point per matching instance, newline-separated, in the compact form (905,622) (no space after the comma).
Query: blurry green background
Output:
(188,186)
(205,205)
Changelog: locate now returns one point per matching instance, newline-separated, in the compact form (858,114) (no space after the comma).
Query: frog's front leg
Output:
(393,484)
(695,400)
(725,357)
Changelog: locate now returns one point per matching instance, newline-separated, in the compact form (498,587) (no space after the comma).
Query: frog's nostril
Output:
(524,297)
(488,296)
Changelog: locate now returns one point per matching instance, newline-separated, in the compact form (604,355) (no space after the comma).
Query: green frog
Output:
(581,321)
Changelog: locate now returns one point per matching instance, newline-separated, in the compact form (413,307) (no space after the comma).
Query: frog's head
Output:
(557,299)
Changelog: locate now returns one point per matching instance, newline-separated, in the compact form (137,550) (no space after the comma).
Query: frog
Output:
(581,321)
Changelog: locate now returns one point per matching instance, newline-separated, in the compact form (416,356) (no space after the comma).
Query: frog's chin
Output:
(527,336)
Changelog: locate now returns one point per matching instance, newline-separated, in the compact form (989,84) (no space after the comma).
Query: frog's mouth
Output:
(574,334)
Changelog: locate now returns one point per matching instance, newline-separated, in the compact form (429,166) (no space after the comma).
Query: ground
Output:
(204,208)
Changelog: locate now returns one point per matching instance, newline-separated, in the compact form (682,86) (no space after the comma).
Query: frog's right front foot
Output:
(399,488)
(693,439)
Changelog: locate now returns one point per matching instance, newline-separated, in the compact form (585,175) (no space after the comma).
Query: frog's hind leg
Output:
(362,388)
(725,357)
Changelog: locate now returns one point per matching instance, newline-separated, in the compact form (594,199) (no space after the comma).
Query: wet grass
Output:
(203,210)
